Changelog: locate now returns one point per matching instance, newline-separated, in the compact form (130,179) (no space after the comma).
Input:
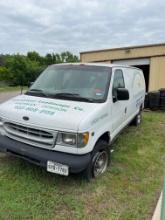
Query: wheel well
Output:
(141,108)
(105,137)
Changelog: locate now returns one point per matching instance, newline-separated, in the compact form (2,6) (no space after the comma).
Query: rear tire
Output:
(137,120)
(100,159)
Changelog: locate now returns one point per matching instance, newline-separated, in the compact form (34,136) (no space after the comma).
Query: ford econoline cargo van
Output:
(68,119)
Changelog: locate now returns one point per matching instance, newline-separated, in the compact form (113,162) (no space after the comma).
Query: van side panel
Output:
(139,88)
(135,83)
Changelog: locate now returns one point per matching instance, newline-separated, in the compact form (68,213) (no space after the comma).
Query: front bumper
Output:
(39,156)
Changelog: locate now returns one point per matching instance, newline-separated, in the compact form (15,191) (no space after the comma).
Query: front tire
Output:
(100,163)
(100,159)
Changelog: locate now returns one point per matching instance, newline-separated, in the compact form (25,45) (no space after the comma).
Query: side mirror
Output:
(122,94)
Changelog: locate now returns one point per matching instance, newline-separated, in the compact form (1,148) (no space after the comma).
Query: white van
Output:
(68,119)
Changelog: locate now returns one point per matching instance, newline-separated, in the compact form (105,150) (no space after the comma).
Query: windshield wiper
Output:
(65,94)
(73,96)
(36,92)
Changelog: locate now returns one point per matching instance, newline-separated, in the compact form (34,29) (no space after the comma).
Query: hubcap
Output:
(101,163)
(138,119)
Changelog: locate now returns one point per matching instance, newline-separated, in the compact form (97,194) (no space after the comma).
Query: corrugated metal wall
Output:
(157,73)
(127,53)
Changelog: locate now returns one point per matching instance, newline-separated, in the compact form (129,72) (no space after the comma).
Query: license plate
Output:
(57,168)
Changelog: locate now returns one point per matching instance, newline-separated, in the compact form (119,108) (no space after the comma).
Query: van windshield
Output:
(73,82)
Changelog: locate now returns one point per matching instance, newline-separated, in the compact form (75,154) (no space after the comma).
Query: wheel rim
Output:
(138,119)
(101,163)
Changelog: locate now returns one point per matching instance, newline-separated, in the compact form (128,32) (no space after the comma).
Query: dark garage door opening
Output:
(146,71)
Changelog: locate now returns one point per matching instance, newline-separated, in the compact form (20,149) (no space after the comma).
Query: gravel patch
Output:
(4,96)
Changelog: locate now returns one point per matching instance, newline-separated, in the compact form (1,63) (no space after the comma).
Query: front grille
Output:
(32,136)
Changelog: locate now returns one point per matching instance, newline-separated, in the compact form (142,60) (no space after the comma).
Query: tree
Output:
(4,74)
(68,57)
(33,56)
(64,57)
(48,59)
(2,60)
(58,58)
(23,70)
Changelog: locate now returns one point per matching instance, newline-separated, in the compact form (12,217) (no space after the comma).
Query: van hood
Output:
(47,113)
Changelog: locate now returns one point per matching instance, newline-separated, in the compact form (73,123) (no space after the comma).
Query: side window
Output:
(118,81)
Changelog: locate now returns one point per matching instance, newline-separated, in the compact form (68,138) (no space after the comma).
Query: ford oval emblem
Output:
(25,118)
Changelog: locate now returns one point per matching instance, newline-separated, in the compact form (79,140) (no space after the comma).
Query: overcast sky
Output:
(79,25)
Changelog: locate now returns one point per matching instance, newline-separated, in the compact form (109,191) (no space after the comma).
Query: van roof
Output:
(97,64)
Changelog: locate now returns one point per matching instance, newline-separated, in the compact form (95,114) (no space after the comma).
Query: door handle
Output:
(125,110)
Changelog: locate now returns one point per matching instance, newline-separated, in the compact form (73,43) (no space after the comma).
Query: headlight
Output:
(67,139)
(72,139)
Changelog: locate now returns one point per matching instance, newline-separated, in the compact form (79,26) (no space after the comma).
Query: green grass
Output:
(127,191)
(10,88)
